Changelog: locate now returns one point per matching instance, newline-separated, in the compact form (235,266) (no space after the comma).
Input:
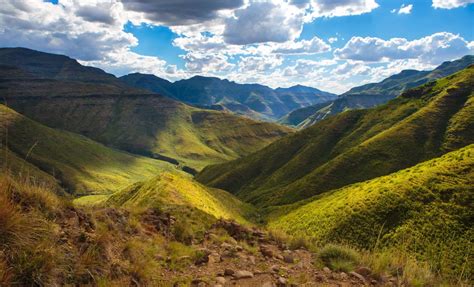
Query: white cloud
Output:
(313,46)
(262,22)
(450,4)
(206,63)
(332,40)
(405,9)
(432,49)
(332,8)
(259,64)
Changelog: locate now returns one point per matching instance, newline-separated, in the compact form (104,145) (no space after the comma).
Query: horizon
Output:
(329,46)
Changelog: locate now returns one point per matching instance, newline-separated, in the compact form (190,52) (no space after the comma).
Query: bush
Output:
(339,258)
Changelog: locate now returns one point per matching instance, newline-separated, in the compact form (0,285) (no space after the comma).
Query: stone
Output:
(226,245)
(228,272)
(220,280)
(268,284)
(288,258)
(327,270)
(279,257)
(282,281)
(343,276)
(214,257)
(320,278)
(275,268)
(364,271)
(357,275)
(239,248)
(252,259)
(242,274)
(266,251)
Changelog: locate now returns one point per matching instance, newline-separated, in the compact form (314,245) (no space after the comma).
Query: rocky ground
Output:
(250,257)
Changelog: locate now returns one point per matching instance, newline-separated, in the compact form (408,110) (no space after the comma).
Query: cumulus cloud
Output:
(405,9)
(259,64)
(181,12)
(450,4)
(206,63)
(262,22)
(312,46)
(332,8)
(431,49)
(332,40)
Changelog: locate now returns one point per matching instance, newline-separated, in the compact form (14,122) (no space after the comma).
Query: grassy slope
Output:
(427,208)
(168,190)
(82,165)
(355,145)
(150,123)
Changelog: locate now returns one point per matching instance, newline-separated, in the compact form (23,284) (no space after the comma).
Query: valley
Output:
(138,181)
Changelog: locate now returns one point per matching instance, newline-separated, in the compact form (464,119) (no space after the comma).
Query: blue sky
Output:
(332,45)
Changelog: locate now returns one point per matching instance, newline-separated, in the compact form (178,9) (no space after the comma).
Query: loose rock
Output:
(242,274)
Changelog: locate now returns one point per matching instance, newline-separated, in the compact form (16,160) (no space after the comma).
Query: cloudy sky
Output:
(329,44)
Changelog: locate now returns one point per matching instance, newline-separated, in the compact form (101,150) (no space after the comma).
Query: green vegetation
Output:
(170,190)
(374,94)
(81,165)
(354,146)
(424,210)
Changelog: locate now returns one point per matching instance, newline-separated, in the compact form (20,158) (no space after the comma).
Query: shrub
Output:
(339,258)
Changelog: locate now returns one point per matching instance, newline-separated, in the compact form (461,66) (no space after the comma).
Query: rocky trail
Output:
(251,257)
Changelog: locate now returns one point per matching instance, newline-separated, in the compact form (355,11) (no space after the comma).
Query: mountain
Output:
(252,100)
(374,94)
(70,161)
(354,146)
(428,204)
(103,108)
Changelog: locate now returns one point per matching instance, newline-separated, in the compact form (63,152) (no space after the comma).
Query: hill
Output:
(427,209)
(252,100)
(101,107)
(69,161)
(375,94)
(169,190)
(354,146)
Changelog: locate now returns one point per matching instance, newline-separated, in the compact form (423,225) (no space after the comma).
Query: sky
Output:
(332,45)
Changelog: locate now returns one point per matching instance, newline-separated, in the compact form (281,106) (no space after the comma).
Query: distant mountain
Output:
(101,107)
(355,146)
(374,94)
(252,100)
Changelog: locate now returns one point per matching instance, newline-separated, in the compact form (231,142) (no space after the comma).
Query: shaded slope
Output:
(375,94)
(80,164)
(355,146)
(154,126)
(45,88)
(427,209)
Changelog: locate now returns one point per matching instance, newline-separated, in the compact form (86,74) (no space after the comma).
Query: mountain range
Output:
(44,87)
(252,100)
(373,94)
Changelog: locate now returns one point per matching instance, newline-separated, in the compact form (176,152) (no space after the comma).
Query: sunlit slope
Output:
(169,189)
(428,208)
(80,164)
(355,146)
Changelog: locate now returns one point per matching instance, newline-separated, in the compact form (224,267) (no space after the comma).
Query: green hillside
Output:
(169,190)
(427,209)
(374,94)
(81,165)
(59,92)
(355,146)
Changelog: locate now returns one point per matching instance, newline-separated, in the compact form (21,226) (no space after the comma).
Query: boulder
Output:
(364,271)
(242,274)
(220,280)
